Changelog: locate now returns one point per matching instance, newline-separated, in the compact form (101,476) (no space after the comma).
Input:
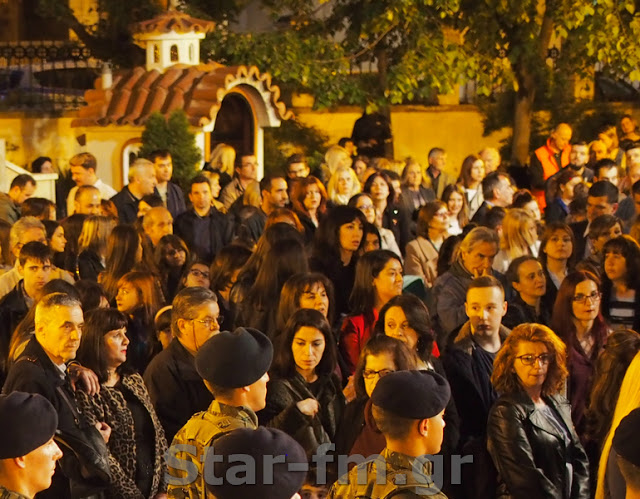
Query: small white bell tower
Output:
(171,38)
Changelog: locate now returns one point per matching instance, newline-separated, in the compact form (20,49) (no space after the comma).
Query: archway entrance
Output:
(235,126)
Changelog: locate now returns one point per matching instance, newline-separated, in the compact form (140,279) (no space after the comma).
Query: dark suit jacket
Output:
(127,205)
(578,229)
(220,231)
(175,199)
(480,216)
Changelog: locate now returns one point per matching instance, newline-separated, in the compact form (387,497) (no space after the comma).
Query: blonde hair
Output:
(515,240)
(223,158)
(252,195)
(332,185)
(94,234)
(337,157)
(628,400)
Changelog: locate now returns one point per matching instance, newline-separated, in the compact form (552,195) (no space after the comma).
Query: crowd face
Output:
(201,197)
(312,198)
(602,239)
(633,157)
(397,326)
(477,170)
(315,297)
(440,220)
(438,160)
(206,323)
(414,175)
(491,158)
(388,283)
(532,230)
(198,275)
(35,274)
(579,155)
(615,266)
(248,169)
(60,332)
(377,366)
(597,206)
(115,347)
(371,243)
(345,183)
(455,203)
(532,376)
(83,176)
(58,241)
(159,225)
(627,125)
(127,298)
(365,205)
(88,203)
(504,192)
(163,169)
(610,174)
(350,235)
(479,260)
(435,433)
(586,301)
(559,246)
(214,183)
(278,196)
(298,170)
(533,209)
(41,464)
(256,399)
(562,136)
(175,257)
(359,167)
(567,189)
(532,283)
(146,180)
(308,348)
(379,189)
(598,150)
(485,308)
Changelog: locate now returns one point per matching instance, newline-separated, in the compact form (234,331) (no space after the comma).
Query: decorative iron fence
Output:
(45,76)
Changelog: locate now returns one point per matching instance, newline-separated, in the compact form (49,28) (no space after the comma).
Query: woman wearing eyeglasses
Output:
(577,320)
(530,435)
(357,432)
(137,443)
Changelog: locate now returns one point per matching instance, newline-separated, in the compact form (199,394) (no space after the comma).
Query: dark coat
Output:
(89,265)
(220,232)
(518,312)
(350,425)
(175,387)
(398,220)
(530,454)
(281,411)
(480,216)
(578,229)
(556,211)
(127,205)
(175,200)
(13,308)
(110,406)
(34,372)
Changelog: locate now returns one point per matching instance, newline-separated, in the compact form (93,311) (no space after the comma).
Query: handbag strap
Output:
(72,407)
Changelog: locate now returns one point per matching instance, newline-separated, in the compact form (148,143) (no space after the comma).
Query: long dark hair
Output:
(293,290)
(97,323)
(326,243)
(122,247)
(283,363)
(227,261)
(418,318)
(363,295)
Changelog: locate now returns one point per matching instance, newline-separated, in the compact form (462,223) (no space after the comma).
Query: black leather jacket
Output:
(530,454)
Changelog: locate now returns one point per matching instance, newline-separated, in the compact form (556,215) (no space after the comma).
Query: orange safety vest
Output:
(549,167)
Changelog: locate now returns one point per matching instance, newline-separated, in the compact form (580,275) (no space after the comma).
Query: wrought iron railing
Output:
(45,76)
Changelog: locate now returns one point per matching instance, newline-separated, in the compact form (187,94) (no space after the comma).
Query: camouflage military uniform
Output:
(200,431)
(400,477)
(9,494)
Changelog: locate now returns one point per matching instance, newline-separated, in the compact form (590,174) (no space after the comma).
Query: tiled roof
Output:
(173,20)
(199,90)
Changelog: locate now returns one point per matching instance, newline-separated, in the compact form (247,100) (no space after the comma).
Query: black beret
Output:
(287,476)
(625,440)
(412,394)
(235,359)
(28,421)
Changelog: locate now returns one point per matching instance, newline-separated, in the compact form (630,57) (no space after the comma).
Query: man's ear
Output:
(423,427)
(505,306)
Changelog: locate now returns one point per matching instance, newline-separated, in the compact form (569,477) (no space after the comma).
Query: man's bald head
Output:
(561,135)
(87,200)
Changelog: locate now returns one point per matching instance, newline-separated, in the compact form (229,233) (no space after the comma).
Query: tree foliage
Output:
(173,134)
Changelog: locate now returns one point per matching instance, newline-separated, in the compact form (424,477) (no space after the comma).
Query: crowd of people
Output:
(366,308)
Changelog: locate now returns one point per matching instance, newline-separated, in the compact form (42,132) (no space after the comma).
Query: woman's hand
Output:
(308,407)
(85,376)
(160,495)
(105,431)
(349,391)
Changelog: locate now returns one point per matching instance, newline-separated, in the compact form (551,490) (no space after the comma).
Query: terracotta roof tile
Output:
(199,90)
(173,21)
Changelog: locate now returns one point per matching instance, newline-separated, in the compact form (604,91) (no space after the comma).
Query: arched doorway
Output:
(235,125)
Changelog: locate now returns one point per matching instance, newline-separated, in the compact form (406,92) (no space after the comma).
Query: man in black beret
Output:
(28,453)
(408,409)
(278,465)
(234,368)
(626,445)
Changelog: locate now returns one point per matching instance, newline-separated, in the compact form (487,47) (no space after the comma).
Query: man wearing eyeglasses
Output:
(175,387)
(469,365)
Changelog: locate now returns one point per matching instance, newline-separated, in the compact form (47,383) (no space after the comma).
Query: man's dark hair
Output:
(579,143)
(295,158)
(22,181)
(434,151)
(512,272)
(35,250)
(159,153)
(603,163)
(199,179)
(342,142)
(494,217)
(267,180)
(36,166)
(604,188)
(186,303)
(153,200)
(391,425)
(491,183)
(635,188)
